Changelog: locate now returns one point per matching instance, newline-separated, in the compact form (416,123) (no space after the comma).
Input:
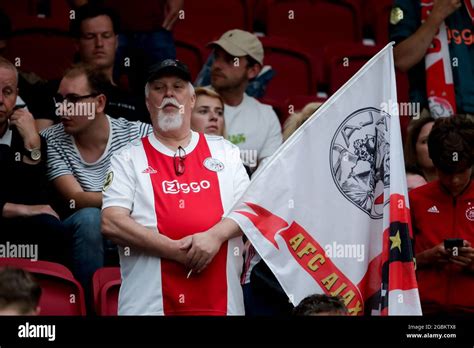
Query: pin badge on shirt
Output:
(396,15)
(213,164)
(108,181)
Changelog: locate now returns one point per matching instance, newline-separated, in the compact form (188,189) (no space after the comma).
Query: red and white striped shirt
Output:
(144,181)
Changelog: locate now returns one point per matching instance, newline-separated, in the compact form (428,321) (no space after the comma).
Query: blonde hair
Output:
(297,119)
(204,91)
(209,93)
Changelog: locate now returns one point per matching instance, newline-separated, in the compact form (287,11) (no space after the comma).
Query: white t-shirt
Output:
(143,179)
(254,128)
(64,157)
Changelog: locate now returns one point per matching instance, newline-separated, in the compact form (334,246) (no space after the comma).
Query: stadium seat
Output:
(106,284)
(292,66)
(61,294)
(277,105)
(314,23)
(46,53)
(29,14)
(342,61)
(380,20)
(207,20)
(191,54)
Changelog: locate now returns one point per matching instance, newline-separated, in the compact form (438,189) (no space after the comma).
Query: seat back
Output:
(109,298)
(207,20)
(314,23)
(292,66)
(61,294)
(46,53)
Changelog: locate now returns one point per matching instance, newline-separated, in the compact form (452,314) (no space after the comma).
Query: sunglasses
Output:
(72,98)
(178,161)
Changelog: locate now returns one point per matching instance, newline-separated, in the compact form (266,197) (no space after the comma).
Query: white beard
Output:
(169,121)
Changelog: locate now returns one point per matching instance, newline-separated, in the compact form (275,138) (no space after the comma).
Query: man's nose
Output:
(212,116)
(169,92)
(99,42)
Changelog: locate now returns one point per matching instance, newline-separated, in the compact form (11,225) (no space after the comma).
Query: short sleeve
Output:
(119,185)
(410,13)
(56,165)
(240,177)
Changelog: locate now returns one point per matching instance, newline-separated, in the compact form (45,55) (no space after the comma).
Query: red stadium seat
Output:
(192,55)
(344,60)
(109,298)
(293,69)
(207,20)
(45,53)
(380,20)
(61,293)
(106,284)
(29,14)
(277,105)
(314,23)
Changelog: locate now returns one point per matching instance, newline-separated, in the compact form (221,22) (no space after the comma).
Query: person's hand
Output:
(35,210)
(180,249)
(24,122)
(172,9)
(434,256)
(465,257)
(203,247)
(444,8)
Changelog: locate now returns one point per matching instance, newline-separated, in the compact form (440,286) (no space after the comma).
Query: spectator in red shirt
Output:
(444,209)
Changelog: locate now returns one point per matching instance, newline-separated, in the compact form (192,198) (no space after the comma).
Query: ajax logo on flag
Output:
(359,159)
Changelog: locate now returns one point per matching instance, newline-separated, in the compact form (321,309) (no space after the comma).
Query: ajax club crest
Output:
(359,159)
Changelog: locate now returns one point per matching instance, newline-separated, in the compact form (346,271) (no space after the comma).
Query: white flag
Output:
(329,212)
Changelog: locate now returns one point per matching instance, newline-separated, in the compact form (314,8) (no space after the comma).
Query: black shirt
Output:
(21,183)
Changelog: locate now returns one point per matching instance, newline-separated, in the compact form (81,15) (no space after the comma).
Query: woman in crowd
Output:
(208,113)
(418,164)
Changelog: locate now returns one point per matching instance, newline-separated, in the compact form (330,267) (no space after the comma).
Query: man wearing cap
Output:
(251,125)
(164,205)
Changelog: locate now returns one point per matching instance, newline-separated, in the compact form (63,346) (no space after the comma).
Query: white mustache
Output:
(168,101)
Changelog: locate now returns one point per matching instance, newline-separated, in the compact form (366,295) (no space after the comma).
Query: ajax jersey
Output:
(143,179)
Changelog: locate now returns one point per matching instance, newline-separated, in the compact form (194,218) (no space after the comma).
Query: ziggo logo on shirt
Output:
(459,37)
(174,187)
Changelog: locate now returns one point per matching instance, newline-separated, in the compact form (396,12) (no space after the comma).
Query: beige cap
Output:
(240,43)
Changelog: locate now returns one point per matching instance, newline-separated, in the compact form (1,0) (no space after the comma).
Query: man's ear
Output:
(253,71)
(101,102)
(193,101)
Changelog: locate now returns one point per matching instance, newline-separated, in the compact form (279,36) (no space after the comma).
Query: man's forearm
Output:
(86,200)
(412,50)
(124,231)
(227,229)
(12,210)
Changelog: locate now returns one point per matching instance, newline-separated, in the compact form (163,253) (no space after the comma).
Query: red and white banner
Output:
(329,211)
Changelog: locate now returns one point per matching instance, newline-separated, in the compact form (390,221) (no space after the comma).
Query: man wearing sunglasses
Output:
(164,206)
(79,151)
